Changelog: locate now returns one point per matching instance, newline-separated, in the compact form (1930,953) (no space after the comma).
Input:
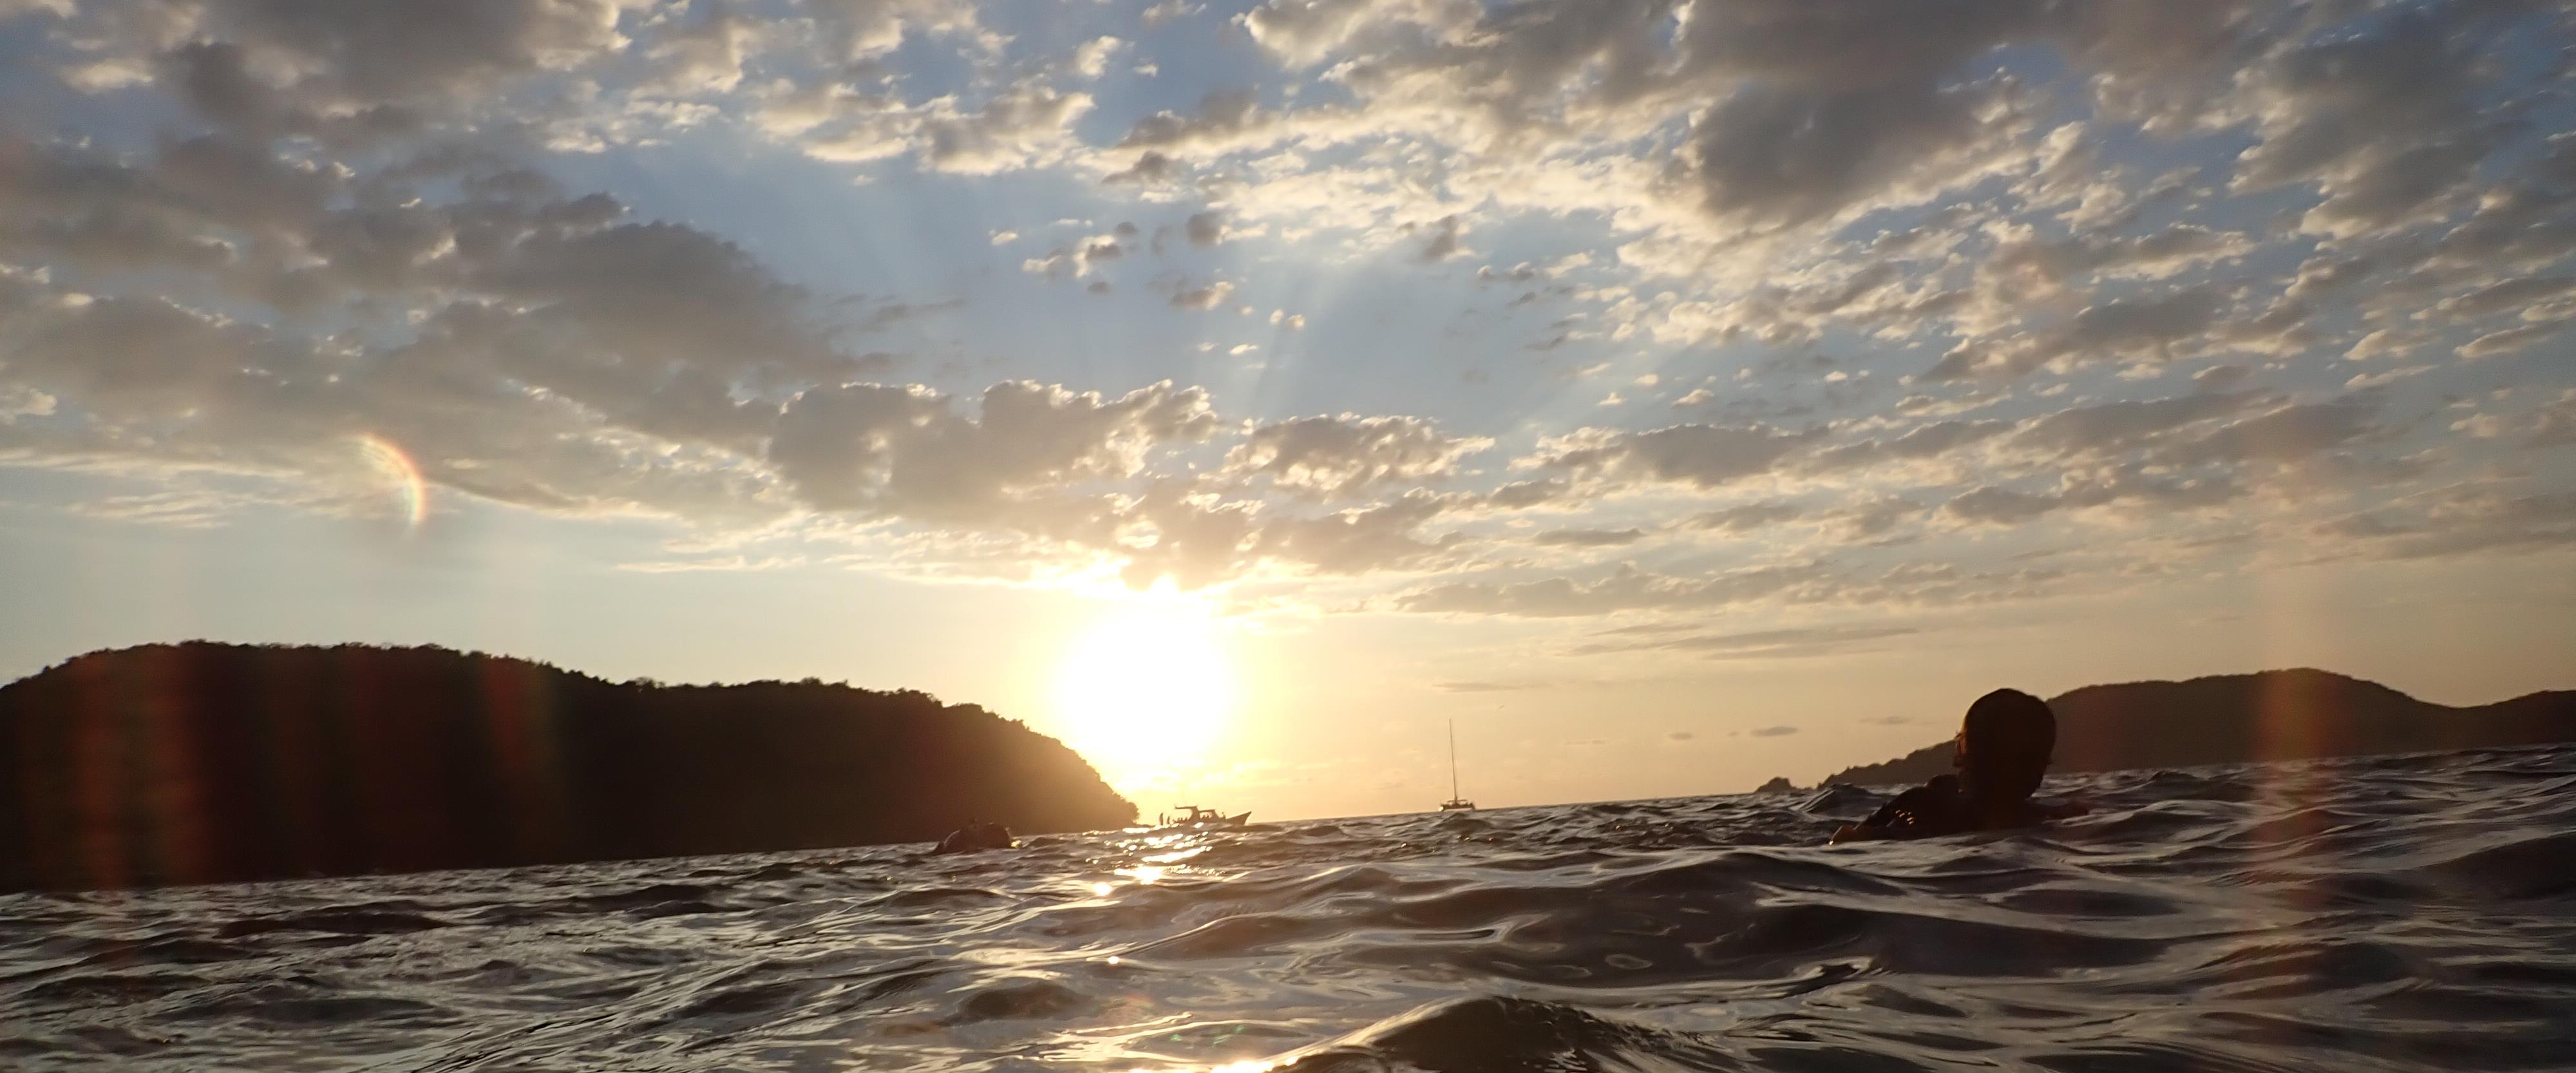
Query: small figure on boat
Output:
(2003,751)
(1194,816)
(976,838)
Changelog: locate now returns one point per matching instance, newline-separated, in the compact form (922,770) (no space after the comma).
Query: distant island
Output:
(207,762)
(2298,714)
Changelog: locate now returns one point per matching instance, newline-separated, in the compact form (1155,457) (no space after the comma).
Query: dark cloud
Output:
(2124,485)
(1771,157)
(2284,435)
(1222,116)
(1443,242)
(2118,427)
(1206,228)
(2386,123)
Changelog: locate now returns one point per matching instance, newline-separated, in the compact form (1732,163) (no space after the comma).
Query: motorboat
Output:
(1194,816)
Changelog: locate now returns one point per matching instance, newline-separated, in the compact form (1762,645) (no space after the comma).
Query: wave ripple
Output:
(2383,914)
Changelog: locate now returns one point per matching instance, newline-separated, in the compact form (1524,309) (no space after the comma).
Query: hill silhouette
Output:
(2297,714)
(207,762)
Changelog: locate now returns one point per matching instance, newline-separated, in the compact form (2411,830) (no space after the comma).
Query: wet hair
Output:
(2004,744)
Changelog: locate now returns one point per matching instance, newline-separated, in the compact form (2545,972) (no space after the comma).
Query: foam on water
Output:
(2405,913)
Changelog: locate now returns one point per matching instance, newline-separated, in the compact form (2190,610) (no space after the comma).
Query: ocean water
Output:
(2405,913)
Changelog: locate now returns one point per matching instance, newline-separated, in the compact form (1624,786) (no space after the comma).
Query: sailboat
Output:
(1455,802)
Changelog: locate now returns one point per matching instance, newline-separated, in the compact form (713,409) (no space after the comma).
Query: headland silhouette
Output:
(2295,714)
(205,762)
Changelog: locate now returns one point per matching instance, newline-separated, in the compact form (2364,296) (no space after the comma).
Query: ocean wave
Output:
(2386,913)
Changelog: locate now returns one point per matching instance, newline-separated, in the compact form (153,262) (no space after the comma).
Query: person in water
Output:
(2003,752)
(977,837)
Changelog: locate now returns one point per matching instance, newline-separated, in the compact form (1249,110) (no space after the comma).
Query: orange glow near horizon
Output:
(390,462)
(1145,687)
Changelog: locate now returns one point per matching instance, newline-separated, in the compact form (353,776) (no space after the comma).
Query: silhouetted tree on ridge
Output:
(205,762)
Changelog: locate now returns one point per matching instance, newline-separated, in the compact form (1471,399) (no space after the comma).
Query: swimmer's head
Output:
(2004,744)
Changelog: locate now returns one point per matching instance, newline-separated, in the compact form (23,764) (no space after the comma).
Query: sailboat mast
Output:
(1453,760)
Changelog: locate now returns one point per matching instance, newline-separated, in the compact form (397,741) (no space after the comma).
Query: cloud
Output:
(1626,588)
(2507,296)
(1921,442)
(1091,60)
(1205,296)
(2117,427)
(1350,454)
(907,451)
(1757,644)
(2156,327)
(1704,456)
(1205,228)
(2286,434)
(1588,538)
(1362,540)
(1443,243)
(2219,377)
(1026,125)
(702,56)
(1772,732)
(2385,123)
(2453,521)
(1770,157)
(2507,341)
(1860,518)
(2551,424)
(270,228)
(2133,486)
(2031,262)
(1750,517)
(1522,495)
(1224,117)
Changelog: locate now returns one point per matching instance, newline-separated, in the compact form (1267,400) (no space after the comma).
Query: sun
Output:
(1145,686)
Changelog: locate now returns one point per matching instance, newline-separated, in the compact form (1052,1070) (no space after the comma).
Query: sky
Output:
(1667,394)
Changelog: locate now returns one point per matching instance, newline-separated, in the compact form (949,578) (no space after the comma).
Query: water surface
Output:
(2403,913)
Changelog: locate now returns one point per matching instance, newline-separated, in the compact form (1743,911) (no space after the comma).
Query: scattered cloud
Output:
(1910,284)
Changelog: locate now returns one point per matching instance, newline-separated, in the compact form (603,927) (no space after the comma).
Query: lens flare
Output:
(397,467)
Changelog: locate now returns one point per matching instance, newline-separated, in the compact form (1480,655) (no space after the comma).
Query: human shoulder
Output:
(1930,809)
